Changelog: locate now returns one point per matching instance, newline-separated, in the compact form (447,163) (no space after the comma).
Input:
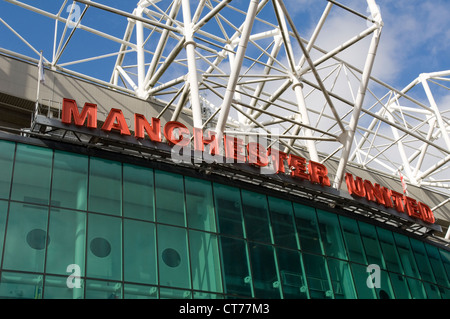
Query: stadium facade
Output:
(103,195)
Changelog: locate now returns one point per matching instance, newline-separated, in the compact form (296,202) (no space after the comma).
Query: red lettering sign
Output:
(70,111)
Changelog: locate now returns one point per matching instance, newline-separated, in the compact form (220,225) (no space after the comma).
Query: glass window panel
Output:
(385,290)
(99,289)
(170,293)
(173,257)
(67,231)
(266,282)
(400,286)
(26,237)
(206,295)
(256,216)
(281,215)
(169,198)
(389,249)
(292,274)
(56,288)
(360,276)
(20,286)
(205,262)
(32,174)
(237,276)
(104,258)
(352,240)
(140,292)
(228,206)
(138,192)
(432,290)
(406,256)
(436,264)
(422,260)
(307,228)
(199,204)
(105,186)
(70,177)
(417,289)
(445,293)
(3,214)
(140,262)
(341,279)
(445,256)
(330,232)
(317,276)
(371,244)
(6,164)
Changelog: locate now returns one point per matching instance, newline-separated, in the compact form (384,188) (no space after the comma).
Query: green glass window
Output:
(400,286)
(385,290)
(32,174)
(55,287)
(307,228)
(99,289)
(140,262)
(389,249)
(173,257)
(6,164)
(341,279)
(436,264)
(236,274)
(445,256)
(199,204)
(20,286)
(69,184)
(256,216)
(292,274)
(3,214)
(330,232)
(281,215)
(432,290)
(67,231)
(132,291)
(317,276)
(104,258)
(417,289)
(371,244)
(170,206)
(26,237)
(421,257)
(138,192)
(228,206)
(360,277)
(352,240)
(266,282)
(172,293)
(406,256)
(205,262)
(105,186)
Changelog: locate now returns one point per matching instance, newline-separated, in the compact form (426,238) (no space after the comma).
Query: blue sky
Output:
(415,38)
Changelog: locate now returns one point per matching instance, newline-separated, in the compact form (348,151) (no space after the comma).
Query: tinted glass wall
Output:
(74,226)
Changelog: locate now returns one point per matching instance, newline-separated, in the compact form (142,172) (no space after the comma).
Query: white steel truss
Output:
(249,67)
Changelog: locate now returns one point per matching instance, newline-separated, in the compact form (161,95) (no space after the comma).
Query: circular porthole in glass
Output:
(171,257)
(36,239)
(100,247)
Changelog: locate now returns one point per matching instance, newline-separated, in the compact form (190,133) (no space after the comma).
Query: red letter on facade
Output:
(355,187)
(234,148)
(412,208)
(182,131)
(116,115)
(200,141)
(278,158)
(374,193)
(427,214)
(318,173)
(297,165)
(70,110)
(398,201)
(257,154)
(141,125)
